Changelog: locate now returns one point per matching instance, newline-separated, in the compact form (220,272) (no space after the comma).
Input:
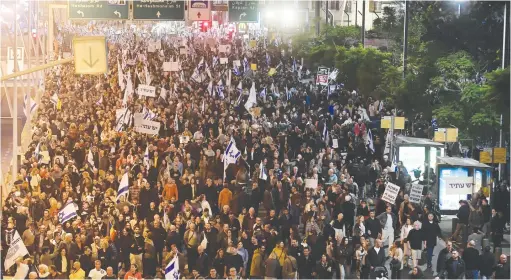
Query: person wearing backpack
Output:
(290,267)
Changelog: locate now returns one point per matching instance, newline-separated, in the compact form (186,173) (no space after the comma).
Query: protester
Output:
(472,261)
(502,268)
(120,175)
(454,267)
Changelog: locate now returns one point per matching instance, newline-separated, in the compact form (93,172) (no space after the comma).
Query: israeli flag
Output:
(148,114)
(146,158)
(268,60)
(54,99)
(380,107)
(176,123)
(172,269)
(90,158)
(201,64)
(294,65)
(288,94)
(163,95)
(235,70)
(328,91)
(245,64)
(100,101)
(262,174)
(370,140)
(215,61)
(232,153)
(33,106)
(220,89)
(325,133)
(37,150)
(262,94)
(124,187)
(240,87)
(67,212)
(252,98)
(210,88)
(434,122)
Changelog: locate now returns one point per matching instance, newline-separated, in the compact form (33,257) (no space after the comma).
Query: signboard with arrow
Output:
(243,11)
(159,10)
(90,55)
(199,10)
(98,9)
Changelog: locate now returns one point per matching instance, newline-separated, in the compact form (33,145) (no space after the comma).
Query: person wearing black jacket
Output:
(373,227)
(159,235)
(306,264)
(486,209)
(463,214)
(502,268)
(431,231)
(444,255)
(454,267)
(415,238)
(325,268)
(137,248)
(471,258)
(376,256)
(487,263)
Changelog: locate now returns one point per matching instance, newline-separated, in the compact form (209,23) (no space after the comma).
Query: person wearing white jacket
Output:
(405,229)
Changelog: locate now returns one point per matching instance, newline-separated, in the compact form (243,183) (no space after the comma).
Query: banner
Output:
(224,48)
(391,192)
(199,10)
(459,185)
(145,126)
(416,193)
(311,184)
(322,80)
(224,60)
(146,90)
(16,249)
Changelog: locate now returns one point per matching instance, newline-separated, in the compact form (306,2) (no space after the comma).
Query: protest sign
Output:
(184,139)
(151,47)
(311,183)
(146,90)
(174,66)
(335,143)
(166,66)
(458,185)
(145,126)
(416,193)
(322,80)
(224,60)
(253,44)
(131,62)
(253,67)
(272,72)
(236,63)
(224,49)
(390,194)
(183,51)
(158,44)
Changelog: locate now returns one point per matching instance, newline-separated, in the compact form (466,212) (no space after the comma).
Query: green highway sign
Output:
(243,11)
(158,10)
(98,9)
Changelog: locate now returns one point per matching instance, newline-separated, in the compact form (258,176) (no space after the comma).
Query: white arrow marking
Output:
(117,14)
(80,13)
(158,14)
(243,15)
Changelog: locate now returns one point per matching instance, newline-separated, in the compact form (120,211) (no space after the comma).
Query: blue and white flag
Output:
(176,123)
(90,158)
(220,89)
(245,65)
(163,94)
(54,99)
(328,91)
(370,140)
(293,67)
(67,212)
(100,101)
(262,174)
(434,123)
(288,94)
(172,269)
(268,60)
(146,158)
(252,98)
(262,94)
(215,61)
(325,133)
(210,88)
(37,150)
(380,106)
(148,114)
(124,187)
(235,70)
(201,64)
(232,153)
(33,106)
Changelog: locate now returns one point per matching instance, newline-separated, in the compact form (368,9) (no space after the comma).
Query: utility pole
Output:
(317,16)
(405,41)
(501,138)
(363,23)
(326,12)
(15,100)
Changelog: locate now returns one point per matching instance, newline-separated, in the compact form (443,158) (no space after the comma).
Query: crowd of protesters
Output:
(258,218)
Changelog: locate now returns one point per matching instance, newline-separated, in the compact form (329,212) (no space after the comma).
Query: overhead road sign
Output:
(98,9)
(90,55)
(243,11)
(199,10)
(158,10)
